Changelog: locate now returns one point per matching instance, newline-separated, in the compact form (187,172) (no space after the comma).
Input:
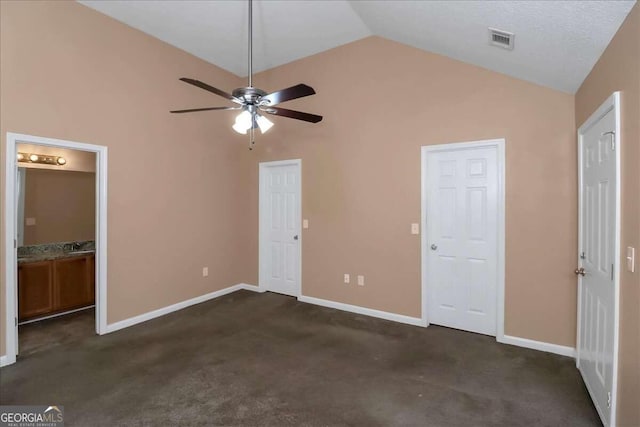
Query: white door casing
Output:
(280,237)
(463,219)
(20,190)
(599,228)
(11,208)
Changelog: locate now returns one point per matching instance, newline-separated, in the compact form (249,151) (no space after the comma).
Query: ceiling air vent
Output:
(503,39)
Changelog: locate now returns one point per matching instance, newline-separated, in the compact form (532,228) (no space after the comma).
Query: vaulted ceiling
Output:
(556,42)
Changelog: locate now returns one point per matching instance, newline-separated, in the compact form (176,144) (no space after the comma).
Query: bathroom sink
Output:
(81,252)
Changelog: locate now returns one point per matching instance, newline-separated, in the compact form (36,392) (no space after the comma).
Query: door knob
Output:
(434,247)
(580,271)
(295,237)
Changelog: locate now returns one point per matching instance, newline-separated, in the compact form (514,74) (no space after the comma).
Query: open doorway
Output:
(56,243)
(56,246)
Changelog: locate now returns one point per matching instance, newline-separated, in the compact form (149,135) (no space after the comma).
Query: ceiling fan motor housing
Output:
(250,95)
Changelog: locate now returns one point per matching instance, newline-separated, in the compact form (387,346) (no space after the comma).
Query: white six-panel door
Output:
(280,227)
(597,315)
(461,262)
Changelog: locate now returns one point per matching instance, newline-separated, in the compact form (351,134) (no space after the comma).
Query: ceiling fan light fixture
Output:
(263,123)
(244,122)
(254,101)
(239,128)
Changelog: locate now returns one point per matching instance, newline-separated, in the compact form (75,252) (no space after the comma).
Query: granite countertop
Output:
(53,251)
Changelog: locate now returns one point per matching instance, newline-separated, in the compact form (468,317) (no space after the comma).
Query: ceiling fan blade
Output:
(288,94)
(211,89)
(292,114)
(191,110)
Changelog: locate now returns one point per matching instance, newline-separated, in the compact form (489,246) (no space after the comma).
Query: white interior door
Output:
(462,203)
(280,227)
(597,316)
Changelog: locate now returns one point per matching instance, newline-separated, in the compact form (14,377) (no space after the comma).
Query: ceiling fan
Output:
(253,101)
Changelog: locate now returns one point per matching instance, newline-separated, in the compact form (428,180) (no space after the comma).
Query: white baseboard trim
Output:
(4,361)
(248,287)
(415,321)
(178,306)
(538,345)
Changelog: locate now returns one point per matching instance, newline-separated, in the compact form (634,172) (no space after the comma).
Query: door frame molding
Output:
(262,254)
(11,259)
(611,103)
(499,144)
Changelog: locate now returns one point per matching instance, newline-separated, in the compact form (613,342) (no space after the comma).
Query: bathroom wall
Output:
(59,206)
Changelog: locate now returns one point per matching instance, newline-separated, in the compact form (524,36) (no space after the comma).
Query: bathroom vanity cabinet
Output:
(55,286)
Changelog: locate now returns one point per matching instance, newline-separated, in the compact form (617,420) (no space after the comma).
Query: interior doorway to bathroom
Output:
(56,260)
(56,245)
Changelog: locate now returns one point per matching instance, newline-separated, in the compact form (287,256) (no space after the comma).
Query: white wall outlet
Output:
(347,278)
(30,221)
(305,223)
(360,280)
(415,228)
(205,271)
(631,259)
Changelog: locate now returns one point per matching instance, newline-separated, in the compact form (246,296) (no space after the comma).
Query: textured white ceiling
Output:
(556,44)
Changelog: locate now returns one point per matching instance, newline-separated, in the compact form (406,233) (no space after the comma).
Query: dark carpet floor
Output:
(250,359)
(46,335)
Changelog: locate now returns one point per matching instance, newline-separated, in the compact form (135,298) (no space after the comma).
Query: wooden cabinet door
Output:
(35,289)
(71,283)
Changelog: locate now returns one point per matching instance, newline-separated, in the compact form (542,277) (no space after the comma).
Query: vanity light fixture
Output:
(41,159)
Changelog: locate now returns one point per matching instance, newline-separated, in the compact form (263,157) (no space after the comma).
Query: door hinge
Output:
(609,399)
(16,319)
(15,243)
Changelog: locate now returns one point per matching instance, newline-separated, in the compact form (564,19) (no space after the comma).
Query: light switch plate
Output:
(30,221)
(347,279)
(205,271)
(305,223)
(415,228)
(631,259)
(360,280)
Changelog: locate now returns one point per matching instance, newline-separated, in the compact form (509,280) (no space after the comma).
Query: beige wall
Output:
(381,102)
(175,182)
(63,204)
(619,70)
(77,160)
(112,86)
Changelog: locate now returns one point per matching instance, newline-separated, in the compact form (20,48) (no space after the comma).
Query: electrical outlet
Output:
(415,228)
(360,280)
(205,271)
(305,223)
(30,221)
(347,278)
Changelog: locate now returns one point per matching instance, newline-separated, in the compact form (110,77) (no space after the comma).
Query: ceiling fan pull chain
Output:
(252,140)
